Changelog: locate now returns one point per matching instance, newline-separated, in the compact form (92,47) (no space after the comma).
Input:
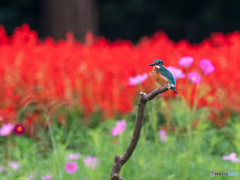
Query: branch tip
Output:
(116,158)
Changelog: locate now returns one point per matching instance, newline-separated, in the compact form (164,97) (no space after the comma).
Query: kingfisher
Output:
(162,75)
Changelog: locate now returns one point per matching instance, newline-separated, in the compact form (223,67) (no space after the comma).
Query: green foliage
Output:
(190,152)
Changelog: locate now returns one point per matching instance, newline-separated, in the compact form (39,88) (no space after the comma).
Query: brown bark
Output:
(61,16)
(119,161)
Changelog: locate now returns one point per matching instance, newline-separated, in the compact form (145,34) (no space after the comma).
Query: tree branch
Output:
(119,161)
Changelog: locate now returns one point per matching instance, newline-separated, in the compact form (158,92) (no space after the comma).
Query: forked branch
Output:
(119,161)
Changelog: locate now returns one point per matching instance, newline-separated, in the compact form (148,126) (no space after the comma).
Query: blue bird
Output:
(162,75)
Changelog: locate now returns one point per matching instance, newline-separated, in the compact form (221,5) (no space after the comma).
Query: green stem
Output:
(54,145)
(154,122)
(197,96)
(141,87)
(189,91)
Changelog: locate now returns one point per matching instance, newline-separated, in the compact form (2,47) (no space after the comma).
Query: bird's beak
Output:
(153,64)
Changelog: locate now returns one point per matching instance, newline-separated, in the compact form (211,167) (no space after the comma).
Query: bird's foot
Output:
(170,86)
(143,93)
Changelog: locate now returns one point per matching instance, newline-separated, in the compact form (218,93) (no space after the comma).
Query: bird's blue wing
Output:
(166,73)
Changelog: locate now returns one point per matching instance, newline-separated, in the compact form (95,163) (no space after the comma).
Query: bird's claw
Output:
(170,86)
(143,93)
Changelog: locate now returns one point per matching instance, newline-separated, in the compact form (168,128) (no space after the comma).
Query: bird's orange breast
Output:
(158,77)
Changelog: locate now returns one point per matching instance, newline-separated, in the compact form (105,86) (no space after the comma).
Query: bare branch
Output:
(119,161)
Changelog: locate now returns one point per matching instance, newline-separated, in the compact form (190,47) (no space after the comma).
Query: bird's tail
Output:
(175,90)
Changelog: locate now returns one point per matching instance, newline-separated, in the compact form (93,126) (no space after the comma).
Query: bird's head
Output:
(157,62)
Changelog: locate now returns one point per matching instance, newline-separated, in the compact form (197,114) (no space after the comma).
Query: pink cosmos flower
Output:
(1,169)
(185,61)
(6,129)
(91,162)
(162,135)
(194,77)
(232,157)
(119,128)
(206,66)
(133,81)
(47,177)
(71,167)
(33,175)
(177,73)
(14,165)
(73,156)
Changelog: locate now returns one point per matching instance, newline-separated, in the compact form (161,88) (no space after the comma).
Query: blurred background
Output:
(70,76)
(127,19)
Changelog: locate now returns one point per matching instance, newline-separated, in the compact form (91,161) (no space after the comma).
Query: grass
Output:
(190,153)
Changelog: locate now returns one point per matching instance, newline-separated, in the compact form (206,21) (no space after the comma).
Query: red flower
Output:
(19,129)
(2,118)
(94,74)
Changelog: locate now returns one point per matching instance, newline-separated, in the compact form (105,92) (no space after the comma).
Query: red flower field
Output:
(95,74)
